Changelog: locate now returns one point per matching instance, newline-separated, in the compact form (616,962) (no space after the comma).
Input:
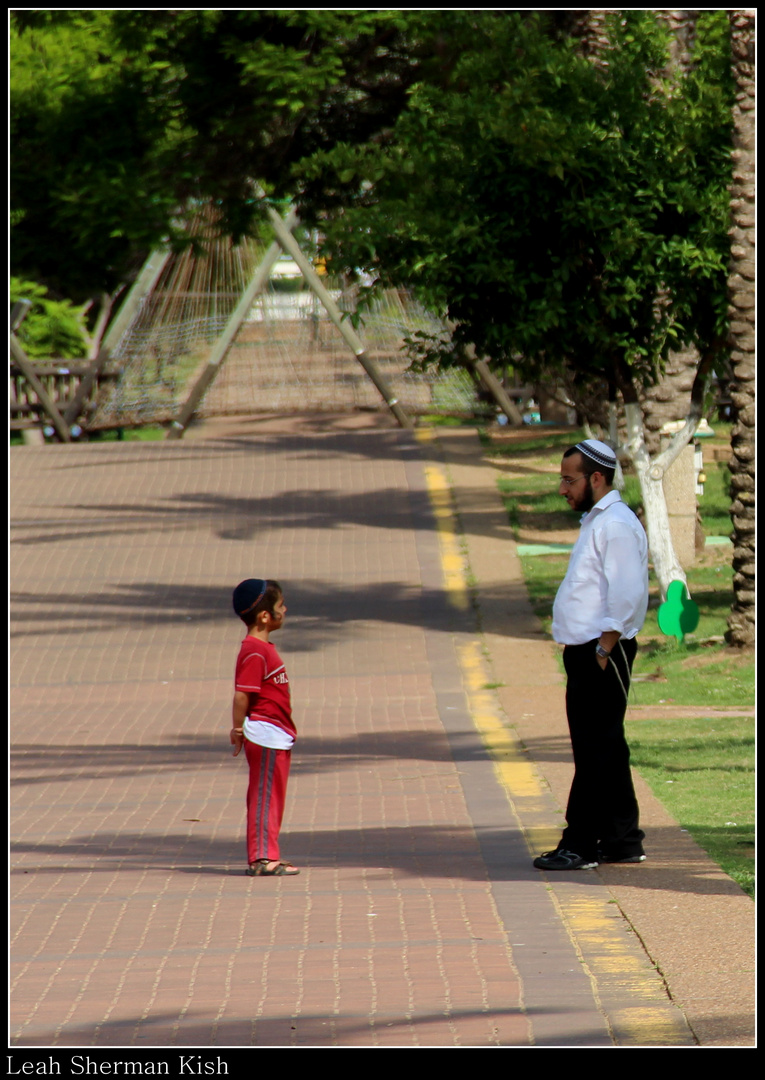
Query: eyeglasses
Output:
(569,481)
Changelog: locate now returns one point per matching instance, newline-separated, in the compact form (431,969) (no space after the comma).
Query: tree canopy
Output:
(120,118)
(561,212)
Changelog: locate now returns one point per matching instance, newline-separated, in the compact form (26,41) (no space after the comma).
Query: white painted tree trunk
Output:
(650,474)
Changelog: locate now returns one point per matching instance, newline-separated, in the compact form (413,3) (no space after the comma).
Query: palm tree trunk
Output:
(742,301)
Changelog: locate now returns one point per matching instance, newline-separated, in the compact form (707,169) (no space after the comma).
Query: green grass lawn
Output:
(701,769)
(715,502)
(147,433)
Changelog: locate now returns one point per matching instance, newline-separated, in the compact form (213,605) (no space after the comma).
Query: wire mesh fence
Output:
(287,354)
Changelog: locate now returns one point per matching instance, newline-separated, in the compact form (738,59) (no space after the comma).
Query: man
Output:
(599,609)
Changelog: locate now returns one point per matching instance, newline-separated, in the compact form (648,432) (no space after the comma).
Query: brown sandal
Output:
(261,869)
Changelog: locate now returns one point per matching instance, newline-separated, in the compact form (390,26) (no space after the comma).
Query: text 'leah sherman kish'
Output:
(83,1065)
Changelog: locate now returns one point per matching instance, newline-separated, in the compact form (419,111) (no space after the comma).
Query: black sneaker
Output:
(602,857)
(560,859)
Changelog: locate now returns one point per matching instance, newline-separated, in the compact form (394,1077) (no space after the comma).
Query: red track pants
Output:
(269,770)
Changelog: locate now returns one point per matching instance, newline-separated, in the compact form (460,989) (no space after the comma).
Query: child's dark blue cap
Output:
(248,595)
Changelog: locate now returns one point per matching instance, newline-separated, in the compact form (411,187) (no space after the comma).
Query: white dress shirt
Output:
(606,584)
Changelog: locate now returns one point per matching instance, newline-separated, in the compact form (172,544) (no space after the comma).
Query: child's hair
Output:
(253,596)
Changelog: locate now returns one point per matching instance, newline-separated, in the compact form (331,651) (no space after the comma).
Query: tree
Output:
(667,399)
(86,196)
(741,287)
(119,118)
(564,214)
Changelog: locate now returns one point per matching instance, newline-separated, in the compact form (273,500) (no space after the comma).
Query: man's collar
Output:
(607,500)
(610,497)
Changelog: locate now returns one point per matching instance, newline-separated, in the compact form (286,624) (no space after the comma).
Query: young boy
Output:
(262,723)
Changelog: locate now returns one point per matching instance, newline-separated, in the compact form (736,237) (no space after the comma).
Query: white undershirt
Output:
(262,733)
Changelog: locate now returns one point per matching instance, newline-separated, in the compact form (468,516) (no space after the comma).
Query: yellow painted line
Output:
(615,965)
(516,774)
(604,952)
(514,771)
(452,557)
(645,1027)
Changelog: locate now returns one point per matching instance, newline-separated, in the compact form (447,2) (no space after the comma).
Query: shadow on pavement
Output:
(430,851)
(60,763)
(207,1037)
(317,614)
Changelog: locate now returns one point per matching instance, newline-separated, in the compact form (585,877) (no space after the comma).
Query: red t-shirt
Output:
(260,673)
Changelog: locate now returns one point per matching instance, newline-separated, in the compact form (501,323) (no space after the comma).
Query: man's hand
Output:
(608,640)
(236,739)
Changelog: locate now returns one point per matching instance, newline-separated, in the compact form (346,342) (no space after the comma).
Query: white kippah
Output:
(599,452)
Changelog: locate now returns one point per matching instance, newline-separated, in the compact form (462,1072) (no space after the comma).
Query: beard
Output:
(586,501)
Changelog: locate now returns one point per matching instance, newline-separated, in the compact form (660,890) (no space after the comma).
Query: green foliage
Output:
(86,188)
(52,328)
(120,118)
(559,211)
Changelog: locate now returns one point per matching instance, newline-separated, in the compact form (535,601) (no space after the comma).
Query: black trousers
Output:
(602,811)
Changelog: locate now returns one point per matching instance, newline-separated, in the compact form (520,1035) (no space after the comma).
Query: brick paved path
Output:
(417,920)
